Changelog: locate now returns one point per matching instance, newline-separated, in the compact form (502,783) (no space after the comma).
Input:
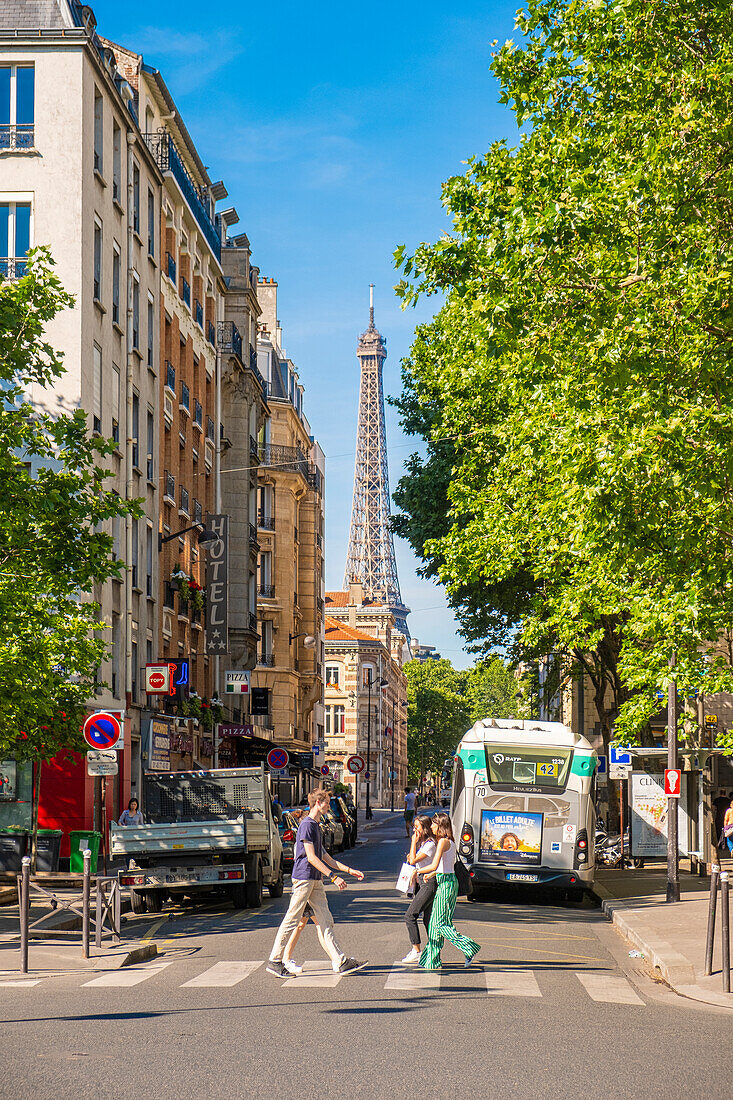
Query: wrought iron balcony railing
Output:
(164,150)
(254,448)
(18,137)
(267,591)
(186,291)
(170,486)
(210,430)
(170,267)
(170,376)
(198,313)
(267,523)
(185,396)
(198,512)
(267,659)
(184,500)
(13,267)
(253,535)
(253,621)
(198,414)
(211,333)
(230,340)
(290,460)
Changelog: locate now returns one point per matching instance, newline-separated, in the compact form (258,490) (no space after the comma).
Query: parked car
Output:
(339,833)
(288,826)
(341,813)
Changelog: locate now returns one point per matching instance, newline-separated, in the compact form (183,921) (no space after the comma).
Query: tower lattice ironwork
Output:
(371,558)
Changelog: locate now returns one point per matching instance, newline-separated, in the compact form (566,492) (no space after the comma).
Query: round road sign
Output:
(101,730)
(325,769)
(355,764)
(277,759)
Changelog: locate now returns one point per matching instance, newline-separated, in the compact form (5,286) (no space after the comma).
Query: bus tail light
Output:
(581,848)
(466,845)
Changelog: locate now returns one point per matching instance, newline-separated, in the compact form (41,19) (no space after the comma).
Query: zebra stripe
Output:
(441,925)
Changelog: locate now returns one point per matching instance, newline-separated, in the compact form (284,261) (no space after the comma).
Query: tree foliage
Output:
(53,547)
(579,372)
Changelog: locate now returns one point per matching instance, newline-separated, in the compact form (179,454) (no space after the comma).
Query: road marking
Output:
(224,974)
(152,930)
(610,988)
(564,955)
(511,983)
(131,975)
(316,974)
(402,978)
(25,983)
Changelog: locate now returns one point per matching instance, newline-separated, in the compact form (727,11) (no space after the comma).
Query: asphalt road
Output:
(556,1008)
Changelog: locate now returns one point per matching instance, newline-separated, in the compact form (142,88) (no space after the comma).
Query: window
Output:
(16,106)
(133,685)
(265,570)
(135,312)
(116,656)
(148,561)
(333,675)
(115,403)
(97,260)
(151,447)
(151,329)
(367,676)
(116,262)
(98,133)
(151,223)
(135,550)
(116,162)
(335,719)
(135,430)
(136,197)
(97,387)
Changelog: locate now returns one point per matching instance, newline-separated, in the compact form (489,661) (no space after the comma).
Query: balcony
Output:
(20,137)
(198,512)
(210,430)
(13,267)
(211,333)
(170,376)
(169,595)
(288,459)
(319,540)
(198,313)
(253,536)
(266,659)
(186,291)
(230,340)
(253,622)
(198,414)
(254,448)
(266,523)
(185,397)
(267,591)
(184,502)
(163,148)
(170,267)
(169,483)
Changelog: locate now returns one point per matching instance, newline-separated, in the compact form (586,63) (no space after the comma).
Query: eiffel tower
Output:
(370,558)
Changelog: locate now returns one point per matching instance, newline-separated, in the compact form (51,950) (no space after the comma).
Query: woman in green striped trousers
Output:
(441,921)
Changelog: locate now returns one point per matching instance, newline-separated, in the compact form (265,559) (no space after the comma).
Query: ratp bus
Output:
(523,805)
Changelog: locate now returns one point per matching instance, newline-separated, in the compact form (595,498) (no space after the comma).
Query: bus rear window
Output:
(516,766)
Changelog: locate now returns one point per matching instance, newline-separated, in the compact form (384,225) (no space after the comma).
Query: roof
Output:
(33,15)
(337,631)
(341,599)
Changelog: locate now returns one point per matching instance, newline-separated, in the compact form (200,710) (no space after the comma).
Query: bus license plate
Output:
(515,877)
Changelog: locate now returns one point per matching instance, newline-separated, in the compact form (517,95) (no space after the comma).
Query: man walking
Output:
(309,865)
(410,800)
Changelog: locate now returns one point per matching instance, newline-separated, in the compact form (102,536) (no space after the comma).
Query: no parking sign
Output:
(101,730)
(278,759)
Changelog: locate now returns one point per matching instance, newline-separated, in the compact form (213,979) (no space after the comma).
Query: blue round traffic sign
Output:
(325,769)
(101,730)
(277,759)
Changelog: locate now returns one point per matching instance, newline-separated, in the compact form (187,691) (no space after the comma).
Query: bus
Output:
(523,806)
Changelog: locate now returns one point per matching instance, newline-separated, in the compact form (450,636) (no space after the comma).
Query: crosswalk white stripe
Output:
(130,975)
(510,982)
(316,974)
(224,974)
(413,978)
(24,983)
(611,988)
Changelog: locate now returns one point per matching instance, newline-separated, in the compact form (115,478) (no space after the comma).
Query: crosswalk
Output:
(508,981)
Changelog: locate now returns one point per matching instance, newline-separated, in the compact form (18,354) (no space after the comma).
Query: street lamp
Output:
(369,682)
(308,640)
(204,535)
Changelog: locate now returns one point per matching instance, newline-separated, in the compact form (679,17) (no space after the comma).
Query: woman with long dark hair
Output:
(422,850)
(441,922)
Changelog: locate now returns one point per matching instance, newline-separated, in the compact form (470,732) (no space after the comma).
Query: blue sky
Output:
(333,127)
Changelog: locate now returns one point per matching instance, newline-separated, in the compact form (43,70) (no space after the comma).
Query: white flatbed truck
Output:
(205,831)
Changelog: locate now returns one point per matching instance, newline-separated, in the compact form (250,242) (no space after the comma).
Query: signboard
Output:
(101,730)
(8,781)
(159,742)
(278,759)
(619,771)
(711,721)
(228,729)
(619,754)
(510,838)
(236,683)
(157,679)
(672,782)
(355,764)
(568,833)
(649,812)
(602,771)
(325,769)
(259,701)
(102,762)
(217,586)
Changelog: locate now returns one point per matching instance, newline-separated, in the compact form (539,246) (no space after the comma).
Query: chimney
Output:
(356,593)
(352,616)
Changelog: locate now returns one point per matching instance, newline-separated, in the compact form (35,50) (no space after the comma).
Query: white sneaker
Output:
(293,968)
(413,956)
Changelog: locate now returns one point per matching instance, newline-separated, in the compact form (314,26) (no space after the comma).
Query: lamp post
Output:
(205,535)
(368,809)
(391,770)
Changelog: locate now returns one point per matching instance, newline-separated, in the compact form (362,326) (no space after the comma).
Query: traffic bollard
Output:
(24,904)
(85,904)
(725,930)
(712,904)
(117,910)
(98,917)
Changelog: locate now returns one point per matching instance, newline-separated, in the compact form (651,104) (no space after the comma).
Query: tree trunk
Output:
(35,801)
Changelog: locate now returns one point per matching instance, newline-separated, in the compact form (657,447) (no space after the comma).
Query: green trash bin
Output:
(81,839)
(48,850)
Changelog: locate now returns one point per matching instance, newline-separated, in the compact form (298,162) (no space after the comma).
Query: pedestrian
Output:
(422,850)
(441,921)
(410,800)
(288,962)
(728,828)
(309,866)
(132,815)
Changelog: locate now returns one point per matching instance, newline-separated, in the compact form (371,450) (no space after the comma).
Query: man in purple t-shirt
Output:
(309,866)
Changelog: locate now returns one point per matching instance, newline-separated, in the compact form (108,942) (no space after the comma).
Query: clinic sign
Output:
(217,586)
(650,809)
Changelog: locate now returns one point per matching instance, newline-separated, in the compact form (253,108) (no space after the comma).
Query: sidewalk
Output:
(670,936)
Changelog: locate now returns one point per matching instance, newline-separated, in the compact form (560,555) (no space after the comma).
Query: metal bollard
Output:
(98,920)
(24,905)
(85,904)
(712,904)
(725,929)
(117,911)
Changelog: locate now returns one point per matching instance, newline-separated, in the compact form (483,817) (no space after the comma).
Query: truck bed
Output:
(190,836)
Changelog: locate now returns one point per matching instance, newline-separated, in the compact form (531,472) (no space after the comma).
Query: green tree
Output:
(579,371)
(53,547)
(437,714)
(492,691)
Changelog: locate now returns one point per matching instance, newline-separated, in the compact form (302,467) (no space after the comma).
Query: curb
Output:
(137,954)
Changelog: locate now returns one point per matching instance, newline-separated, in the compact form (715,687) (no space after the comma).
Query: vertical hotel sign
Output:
(217,583)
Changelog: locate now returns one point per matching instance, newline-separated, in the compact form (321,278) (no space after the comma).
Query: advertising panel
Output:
(649,809)
(160,745)
(7,781)
(511,837)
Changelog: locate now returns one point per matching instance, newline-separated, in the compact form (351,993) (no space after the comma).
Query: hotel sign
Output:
(217,577)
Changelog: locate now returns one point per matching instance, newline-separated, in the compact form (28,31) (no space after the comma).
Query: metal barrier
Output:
(105,891)
(719,881)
